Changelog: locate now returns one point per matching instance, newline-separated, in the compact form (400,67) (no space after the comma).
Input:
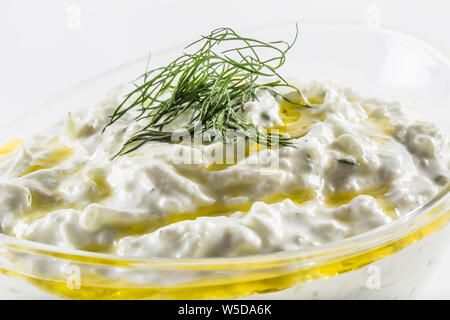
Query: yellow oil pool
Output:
(10,146)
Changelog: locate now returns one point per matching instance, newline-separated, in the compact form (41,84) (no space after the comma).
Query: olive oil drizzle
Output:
(54,157)
(299,197)
(296,122)
(337,199)
(10,146)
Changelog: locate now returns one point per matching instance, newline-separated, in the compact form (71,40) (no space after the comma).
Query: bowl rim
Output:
(406,224)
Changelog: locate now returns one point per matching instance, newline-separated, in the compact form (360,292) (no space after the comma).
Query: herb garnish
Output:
(211,83)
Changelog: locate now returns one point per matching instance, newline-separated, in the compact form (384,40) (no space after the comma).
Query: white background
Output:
(47,46)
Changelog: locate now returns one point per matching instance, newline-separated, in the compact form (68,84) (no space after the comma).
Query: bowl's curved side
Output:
(344,273)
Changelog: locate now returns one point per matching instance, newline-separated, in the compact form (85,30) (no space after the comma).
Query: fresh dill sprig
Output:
(211,81)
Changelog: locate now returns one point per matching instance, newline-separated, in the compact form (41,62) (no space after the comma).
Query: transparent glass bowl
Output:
(392,261)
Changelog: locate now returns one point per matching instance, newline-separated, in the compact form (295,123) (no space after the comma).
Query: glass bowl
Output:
(392,261)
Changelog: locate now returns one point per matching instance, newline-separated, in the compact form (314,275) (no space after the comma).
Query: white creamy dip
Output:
(355,164)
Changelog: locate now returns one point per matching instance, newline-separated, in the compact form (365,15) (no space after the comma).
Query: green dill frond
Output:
(211,81)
